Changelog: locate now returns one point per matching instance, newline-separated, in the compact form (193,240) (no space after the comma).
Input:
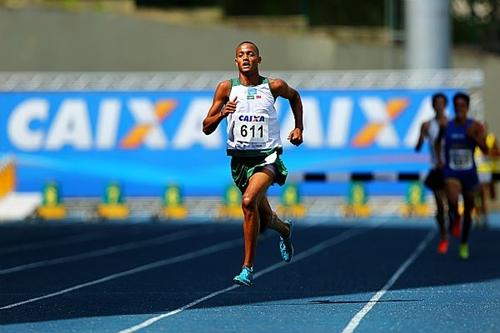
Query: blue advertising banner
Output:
(146,140)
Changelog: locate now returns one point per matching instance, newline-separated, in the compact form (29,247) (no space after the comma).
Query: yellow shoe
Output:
(463,251)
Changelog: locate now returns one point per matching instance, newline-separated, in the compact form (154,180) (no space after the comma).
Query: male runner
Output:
(461,136)
(254,144)
(434,180)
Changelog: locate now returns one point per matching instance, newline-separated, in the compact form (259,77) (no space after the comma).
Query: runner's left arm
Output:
(281,88)
(477,133)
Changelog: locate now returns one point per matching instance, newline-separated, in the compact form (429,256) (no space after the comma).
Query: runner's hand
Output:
(295,136)
(475,131)
(230,107)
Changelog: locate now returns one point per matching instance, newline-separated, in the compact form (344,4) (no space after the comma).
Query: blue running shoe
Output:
(245,277)
(286,247)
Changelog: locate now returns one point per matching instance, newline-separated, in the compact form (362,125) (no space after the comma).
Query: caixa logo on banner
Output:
(130,121)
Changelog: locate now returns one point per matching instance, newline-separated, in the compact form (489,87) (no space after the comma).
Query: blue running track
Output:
(366,276)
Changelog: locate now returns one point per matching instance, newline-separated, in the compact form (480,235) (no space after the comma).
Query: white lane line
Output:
(371,303)
(104,251)
(156,264)
(304,254)
(153,320)
(52,242)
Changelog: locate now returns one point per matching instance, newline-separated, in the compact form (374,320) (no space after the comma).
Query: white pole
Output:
(427,34)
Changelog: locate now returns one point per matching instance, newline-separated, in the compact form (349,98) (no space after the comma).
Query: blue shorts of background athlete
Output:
(468,179)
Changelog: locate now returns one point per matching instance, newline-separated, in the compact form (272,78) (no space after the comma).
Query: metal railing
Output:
(201,80)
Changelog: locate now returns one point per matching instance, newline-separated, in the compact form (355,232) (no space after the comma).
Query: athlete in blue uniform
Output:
(254,143)
(461,136)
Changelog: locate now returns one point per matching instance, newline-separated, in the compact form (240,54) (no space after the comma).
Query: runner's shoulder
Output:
(223,88)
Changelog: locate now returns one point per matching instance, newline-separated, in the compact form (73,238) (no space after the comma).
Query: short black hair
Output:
(439,95)
(249,42)
(461,95)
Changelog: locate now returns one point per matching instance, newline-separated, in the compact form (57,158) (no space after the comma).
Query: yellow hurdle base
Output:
(422,210)
(357,211)
(112,212)
(230,212)
(52,212)
(293,211)
(176,213)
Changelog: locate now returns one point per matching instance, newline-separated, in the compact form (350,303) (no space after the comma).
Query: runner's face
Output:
(461,109)
(439,105)
(247,59)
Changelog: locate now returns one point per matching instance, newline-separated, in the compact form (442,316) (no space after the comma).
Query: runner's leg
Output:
(440,197)
(453,190)
(271,220)
(256,189)
(468,207)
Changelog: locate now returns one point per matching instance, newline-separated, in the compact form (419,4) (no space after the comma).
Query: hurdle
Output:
(414,203)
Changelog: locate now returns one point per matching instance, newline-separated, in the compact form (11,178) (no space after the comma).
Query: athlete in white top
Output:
(254,142)
(435,178)
(253,127)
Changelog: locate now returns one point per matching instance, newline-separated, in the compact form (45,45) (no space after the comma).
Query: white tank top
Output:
(432,134)
(253,129)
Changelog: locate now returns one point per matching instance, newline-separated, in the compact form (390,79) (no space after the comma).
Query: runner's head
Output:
(461,105)
(247,57)
(439,102)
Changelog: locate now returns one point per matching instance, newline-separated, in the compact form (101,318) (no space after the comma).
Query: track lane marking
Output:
(104,251)
(164,262)
(304,254)
(52,242)
(353,324)
(78,237)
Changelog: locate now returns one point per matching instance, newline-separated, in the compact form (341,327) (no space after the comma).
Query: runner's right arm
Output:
(221,107)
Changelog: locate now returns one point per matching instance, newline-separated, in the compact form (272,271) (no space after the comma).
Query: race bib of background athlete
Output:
(250,128)
(461,159)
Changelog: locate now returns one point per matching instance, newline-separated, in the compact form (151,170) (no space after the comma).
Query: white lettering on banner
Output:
(376,112)
(107,124)
(312,124)
(18,127)
(143,111)
(70,127)
(189,132)
(31,127)
(340,121)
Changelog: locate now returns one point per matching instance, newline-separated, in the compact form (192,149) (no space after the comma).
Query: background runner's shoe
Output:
(443,246)
(245,277)
(463,251)
(286,247)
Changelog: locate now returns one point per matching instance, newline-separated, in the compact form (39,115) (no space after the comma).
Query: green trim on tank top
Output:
(236,82)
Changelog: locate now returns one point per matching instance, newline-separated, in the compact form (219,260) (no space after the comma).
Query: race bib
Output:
(249,128)
(461,159)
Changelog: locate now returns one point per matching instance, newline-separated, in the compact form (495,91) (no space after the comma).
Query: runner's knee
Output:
(249,202)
